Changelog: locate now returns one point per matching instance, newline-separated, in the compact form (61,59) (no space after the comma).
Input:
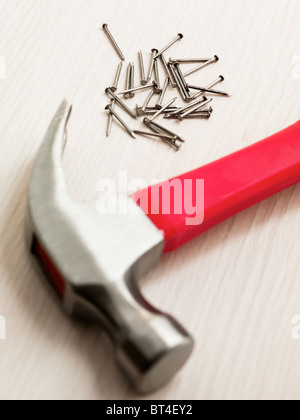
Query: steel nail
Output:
(163,93)
(158,89)
(171,142)
(179,83)
(151,68)
(117,78)
(184,108)
(110,118)
(160,135)
(212,60)
(164,129)
(194,108)
(194,115)
(183,81)
(189,60)
(131,84)
(162,109)
(161,130)
(178,37)
(168,71)
(152,110)
(219,80)
(121,103)
(201,110)
(113,41)
(142,68)
(138,89)
(178,68)
(173,76)
(206,90)
(150,96)
(127,82)
(112,111)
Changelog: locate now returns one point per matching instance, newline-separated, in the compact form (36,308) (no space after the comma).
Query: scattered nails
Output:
(174,78)
(121,103)
(112,111)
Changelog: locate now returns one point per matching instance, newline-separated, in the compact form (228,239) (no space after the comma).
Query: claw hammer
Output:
(93,262)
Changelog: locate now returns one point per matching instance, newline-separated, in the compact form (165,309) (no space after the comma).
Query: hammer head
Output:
(93,263)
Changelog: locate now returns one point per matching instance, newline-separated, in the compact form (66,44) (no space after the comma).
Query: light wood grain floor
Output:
(236,288)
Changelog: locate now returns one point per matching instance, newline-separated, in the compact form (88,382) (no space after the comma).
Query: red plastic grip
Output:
(231,185)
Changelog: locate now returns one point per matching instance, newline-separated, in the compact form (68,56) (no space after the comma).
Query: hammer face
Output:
(94,261)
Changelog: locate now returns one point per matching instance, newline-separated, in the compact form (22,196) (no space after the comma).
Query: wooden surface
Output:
(236,288)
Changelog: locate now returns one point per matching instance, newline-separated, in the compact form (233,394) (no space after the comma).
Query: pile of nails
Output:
(196,105)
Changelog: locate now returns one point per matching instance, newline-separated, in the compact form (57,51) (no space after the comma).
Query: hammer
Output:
(93,262)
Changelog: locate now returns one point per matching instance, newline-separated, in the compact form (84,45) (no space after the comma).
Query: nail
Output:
(194,108)
(142,68)
(139,112)
(194,115)
(138,89)
(205,90)
(178,37)
(163,93)
(173,77)
(117,78)
(152,110)
(168,72)
(189,60)
(145,133)
(121,103)
(110,118)
(183,81)
(151,69)
(210,110)
(155,129)
(151,94)
(162,109)
(113,41)
(179,83)
(131,84)
(158,89)
(163,129)
(112,111)
(219,80)
(171,142)
(184,108)
(178,68)
(127,82)
(212,60)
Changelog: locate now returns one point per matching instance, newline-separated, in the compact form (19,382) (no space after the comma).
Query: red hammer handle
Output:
(231,185)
